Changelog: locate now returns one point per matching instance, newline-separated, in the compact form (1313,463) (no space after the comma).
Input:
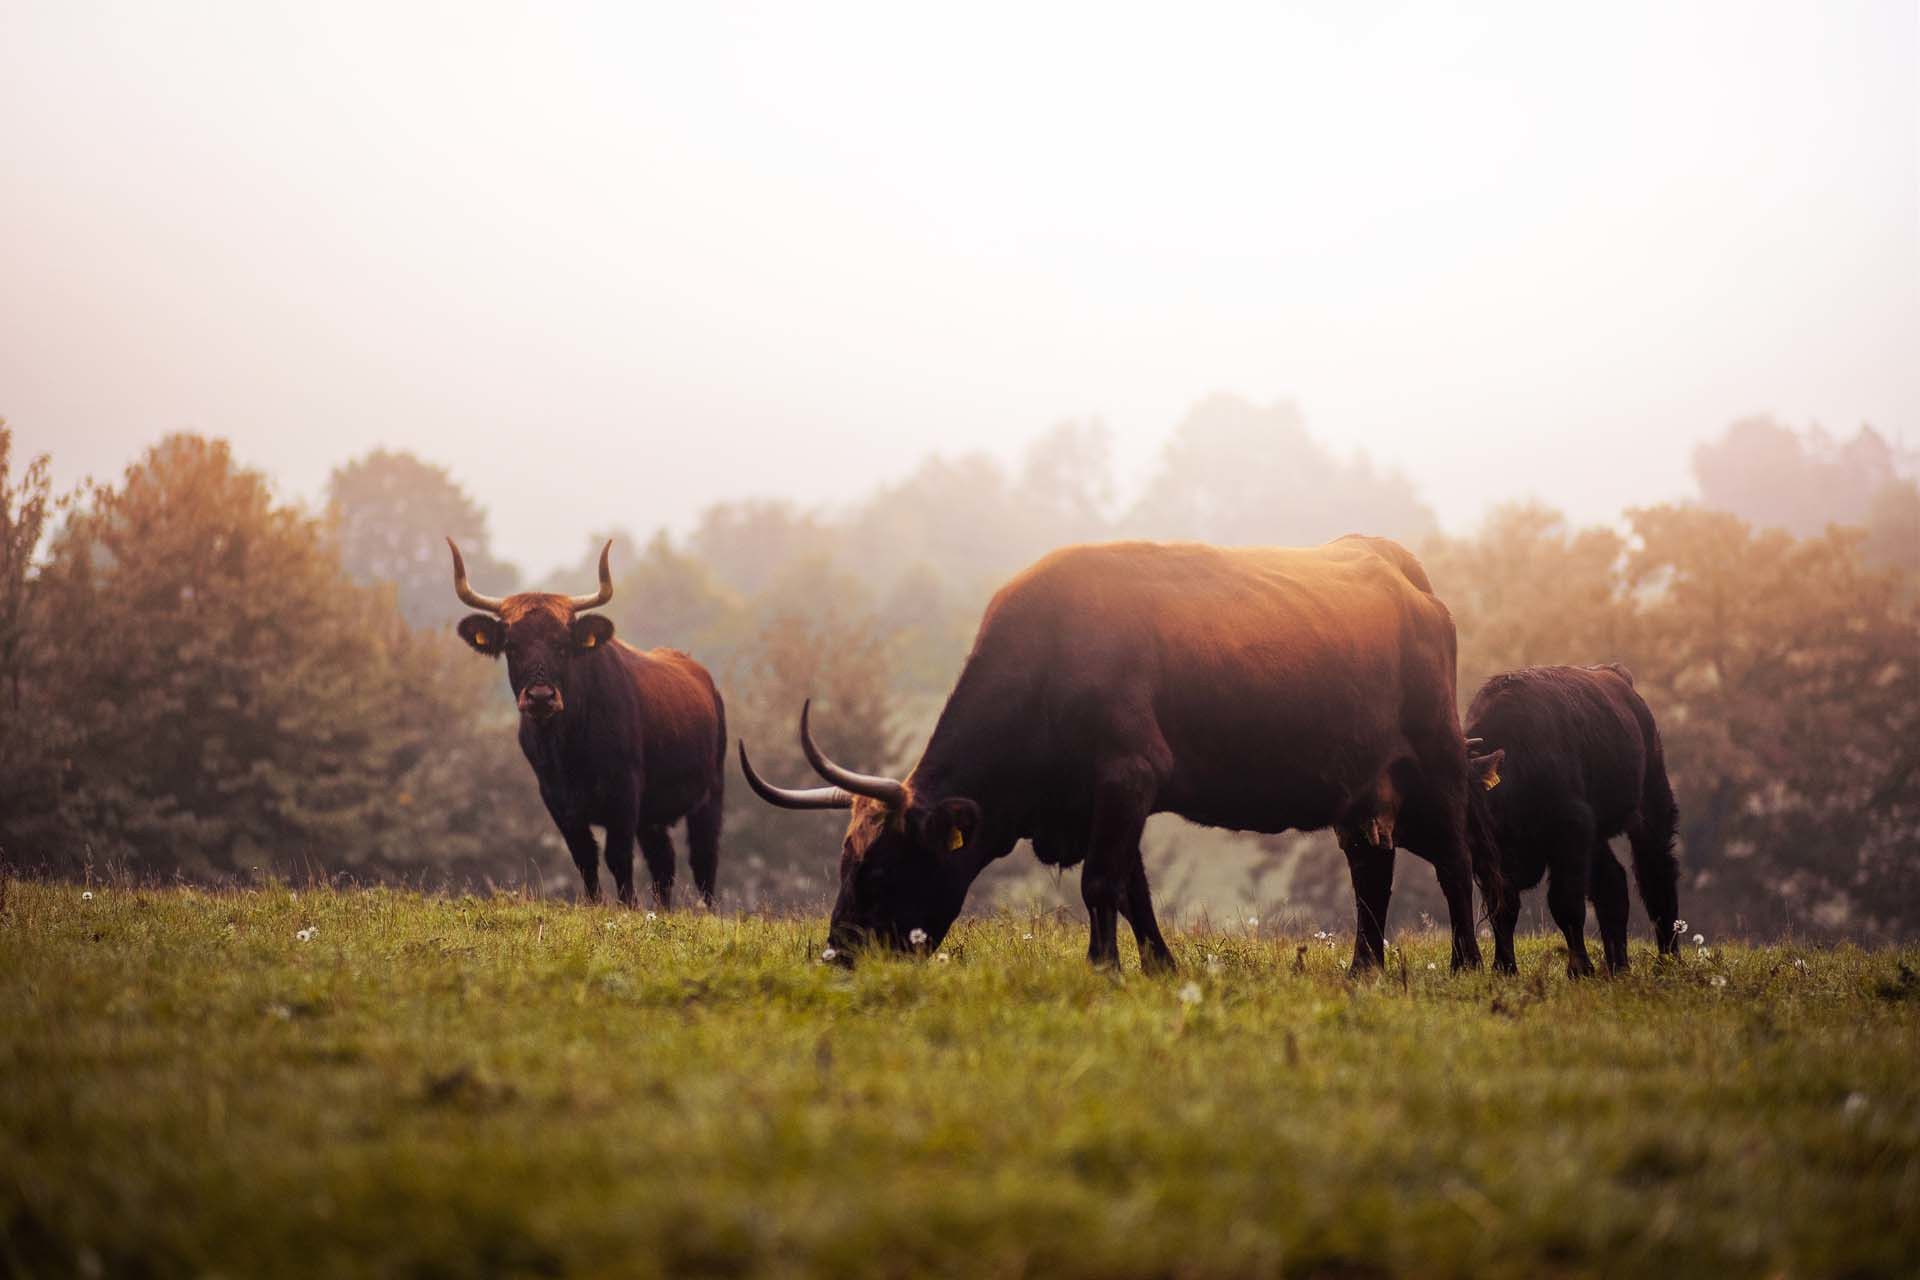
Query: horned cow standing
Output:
(627,741)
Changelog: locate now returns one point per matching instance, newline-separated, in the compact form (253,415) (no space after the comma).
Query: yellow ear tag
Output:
(956,840)
(480,640)
(1492,779)
(590,641)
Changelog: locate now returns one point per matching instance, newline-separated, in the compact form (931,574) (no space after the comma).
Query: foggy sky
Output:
(612,262)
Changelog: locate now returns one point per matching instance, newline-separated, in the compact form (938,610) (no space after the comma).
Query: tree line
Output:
(201,681)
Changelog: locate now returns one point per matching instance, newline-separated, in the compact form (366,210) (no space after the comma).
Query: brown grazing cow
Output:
(1566,757)
(627,741)
(1259,688)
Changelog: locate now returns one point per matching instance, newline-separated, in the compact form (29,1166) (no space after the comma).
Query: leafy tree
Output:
(1776,477)
(391,515)
(1528,590)
(816,639)
(1787,677)
(747,544)
(32,739)
(1237,474)
(238,701)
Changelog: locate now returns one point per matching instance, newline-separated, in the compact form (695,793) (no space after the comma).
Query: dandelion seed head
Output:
(1679,926)
(828,954)
(1253,922)
(86,895)
(652,916)
(1190,994)
(918,937)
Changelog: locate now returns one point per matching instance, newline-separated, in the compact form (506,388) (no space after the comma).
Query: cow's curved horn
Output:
(781,797)
(888,791)
(466,593)
(605,593)
(1474,743)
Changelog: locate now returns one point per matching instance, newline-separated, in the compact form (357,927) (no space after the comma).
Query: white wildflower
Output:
(1798,963)
(86,895)
(1321,934)
(1717,980)
(1026,937)
(918,937)
(1699,939)
(1190,994)
(1253,922)
(305,935)
(1432,965)
(652,916)
(942,957)
(829,954)
(1679,926)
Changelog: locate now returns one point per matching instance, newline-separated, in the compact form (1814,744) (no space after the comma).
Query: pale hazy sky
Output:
(610,262)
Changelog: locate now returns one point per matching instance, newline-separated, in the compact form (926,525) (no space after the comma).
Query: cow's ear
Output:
(949,825)
(485,633)
(591,630)
(1485,770)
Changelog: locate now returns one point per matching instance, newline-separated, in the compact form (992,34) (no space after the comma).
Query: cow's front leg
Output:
(620,861)
(586,856)
(1122,800)
(656,843)
(1137,906)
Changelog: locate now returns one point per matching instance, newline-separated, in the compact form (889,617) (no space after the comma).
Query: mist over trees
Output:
(258,686)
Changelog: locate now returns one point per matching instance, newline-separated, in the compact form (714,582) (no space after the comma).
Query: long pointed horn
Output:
(889,792)
(605,593)
(1474,744)
(781,797)
(466,593)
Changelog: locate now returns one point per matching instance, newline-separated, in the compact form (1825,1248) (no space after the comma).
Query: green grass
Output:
(456,1086)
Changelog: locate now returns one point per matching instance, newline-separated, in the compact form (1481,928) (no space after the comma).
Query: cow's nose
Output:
(540,700)
(540,693)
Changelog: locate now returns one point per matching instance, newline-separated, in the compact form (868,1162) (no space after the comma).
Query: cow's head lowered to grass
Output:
(539,634)
(906,863)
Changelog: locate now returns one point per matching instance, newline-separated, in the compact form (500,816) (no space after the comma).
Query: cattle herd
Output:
(1255,688)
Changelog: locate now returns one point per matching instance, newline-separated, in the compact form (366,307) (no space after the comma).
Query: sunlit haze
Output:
(612,263)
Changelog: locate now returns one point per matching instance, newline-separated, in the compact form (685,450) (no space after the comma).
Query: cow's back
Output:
(1572,735)
(1282,680)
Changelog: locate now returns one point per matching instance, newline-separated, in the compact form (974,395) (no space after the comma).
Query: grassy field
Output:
(458,1086)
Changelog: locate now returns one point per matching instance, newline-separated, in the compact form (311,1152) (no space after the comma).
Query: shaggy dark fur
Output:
(1578,760)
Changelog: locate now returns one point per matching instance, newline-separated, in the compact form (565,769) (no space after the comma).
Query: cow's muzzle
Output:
(541,702)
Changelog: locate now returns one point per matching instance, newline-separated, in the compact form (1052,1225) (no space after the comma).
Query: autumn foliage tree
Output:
(232,699)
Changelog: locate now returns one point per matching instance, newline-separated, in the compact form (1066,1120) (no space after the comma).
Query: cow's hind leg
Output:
(1569,856)
(1608,888)
(656,844)
(1136,904)
(703,846)
(1654,866)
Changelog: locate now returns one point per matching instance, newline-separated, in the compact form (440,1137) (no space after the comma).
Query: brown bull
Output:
(1259,689)
(627,741)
